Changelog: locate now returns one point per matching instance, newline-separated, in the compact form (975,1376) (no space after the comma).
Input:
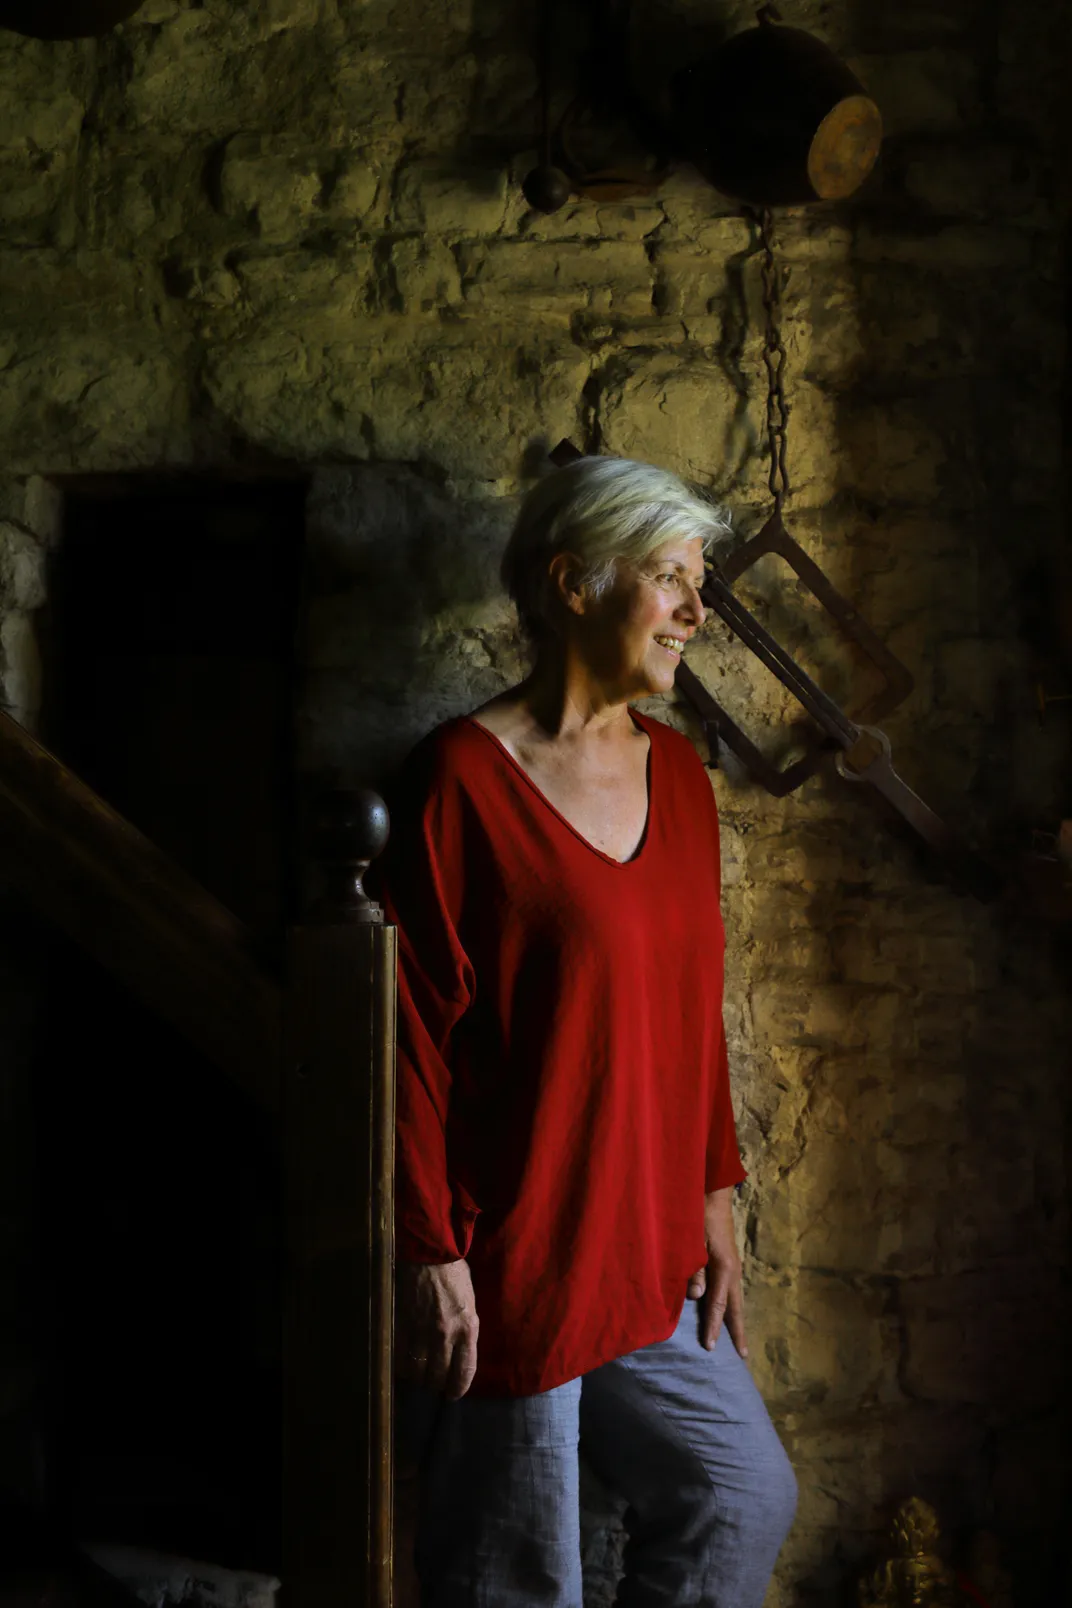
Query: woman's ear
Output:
(564,571)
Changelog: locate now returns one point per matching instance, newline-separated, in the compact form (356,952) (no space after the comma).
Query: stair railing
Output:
(315,1047)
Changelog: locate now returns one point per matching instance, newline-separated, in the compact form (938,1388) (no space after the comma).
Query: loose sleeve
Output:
(723,1157)
(419,882)
(723,1165)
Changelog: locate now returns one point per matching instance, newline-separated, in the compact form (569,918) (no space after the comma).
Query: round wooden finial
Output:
(350,830)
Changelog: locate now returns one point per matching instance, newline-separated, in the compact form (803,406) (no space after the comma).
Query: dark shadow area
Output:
(159,1187)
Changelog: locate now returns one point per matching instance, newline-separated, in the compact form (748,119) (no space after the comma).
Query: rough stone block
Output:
(852,1209)
(821,324)
(98,402)
(577,220)
(425,275)
(41,109)
(690,204)
(688,281)
(20,681)
(804,949)
(41,509)
(22,568)
(558,277)
(410,393)
(376,531)
(726,237)
(274,195)
(450,201)
(83,294)
(356,189)
(629,220)
(329,292)
(480,406)
(37,199)
(183,79)
(855,1468)
(680,415)
(818,1340)
(657,334)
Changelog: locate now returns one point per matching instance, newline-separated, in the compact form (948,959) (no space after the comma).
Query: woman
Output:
(566,1153)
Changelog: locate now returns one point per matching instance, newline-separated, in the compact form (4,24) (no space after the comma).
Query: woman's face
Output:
(633,636)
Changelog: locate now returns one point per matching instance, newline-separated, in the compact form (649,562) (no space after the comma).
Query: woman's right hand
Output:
(436,1326)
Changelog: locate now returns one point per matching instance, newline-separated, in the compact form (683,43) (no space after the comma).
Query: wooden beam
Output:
(82,866)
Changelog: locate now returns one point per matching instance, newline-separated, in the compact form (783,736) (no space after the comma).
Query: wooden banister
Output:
(316,1049)
(338,1144)
(81,865)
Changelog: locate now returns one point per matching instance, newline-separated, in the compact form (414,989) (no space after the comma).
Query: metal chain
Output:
(774,358)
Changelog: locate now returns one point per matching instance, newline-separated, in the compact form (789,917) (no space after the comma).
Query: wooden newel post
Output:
(338,1118)
(351,831)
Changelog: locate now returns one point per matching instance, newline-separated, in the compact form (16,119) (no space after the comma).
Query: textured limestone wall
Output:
(235,232)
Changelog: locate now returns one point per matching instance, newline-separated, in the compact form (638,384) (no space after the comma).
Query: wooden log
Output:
(338,1128)
(81,865)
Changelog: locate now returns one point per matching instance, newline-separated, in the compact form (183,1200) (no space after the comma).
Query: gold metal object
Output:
(914,1576)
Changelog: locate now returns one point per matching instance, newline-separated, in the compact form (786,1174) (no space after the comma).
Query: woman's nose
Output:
(693,607)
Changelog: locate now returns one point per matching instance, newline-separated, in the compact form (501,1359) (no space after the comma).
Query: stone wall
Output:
(239,233)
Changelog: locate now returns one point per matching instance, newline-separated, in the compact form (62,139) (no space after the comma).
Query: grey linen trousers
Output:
(681,1433)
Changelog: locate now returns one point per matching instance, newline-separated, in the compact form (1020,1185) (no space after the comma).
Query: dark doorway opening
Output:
(173,629)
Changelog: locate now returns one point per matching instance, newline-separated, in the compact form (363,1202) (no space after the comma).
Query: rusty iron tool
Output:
(837,728)
(862,752)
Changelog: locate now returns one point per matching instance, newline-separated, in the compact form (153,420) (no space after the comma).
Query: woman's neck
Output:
(565,700)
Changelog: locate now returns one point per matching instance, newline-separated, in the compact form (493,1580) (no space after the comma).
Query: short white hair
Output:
(606,511)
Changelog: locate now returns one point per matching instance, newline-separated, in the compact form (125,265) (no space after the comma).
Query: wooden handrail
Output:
(84,867)
(317,1050)
(338,1148)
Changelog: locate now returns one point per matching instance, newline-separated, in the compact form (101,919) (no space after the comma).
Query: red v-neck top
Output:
(563,1095)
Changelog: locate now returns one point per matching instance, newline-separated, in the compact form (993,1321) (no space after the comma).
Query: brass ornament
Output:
(914,1576)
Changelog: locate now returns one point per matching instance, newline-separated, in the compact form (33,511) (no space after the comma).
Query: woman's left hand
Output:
(718,1284)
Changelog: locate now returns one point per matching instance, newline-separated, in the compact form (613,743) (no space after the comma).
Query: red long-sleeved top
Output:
(563,1093)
